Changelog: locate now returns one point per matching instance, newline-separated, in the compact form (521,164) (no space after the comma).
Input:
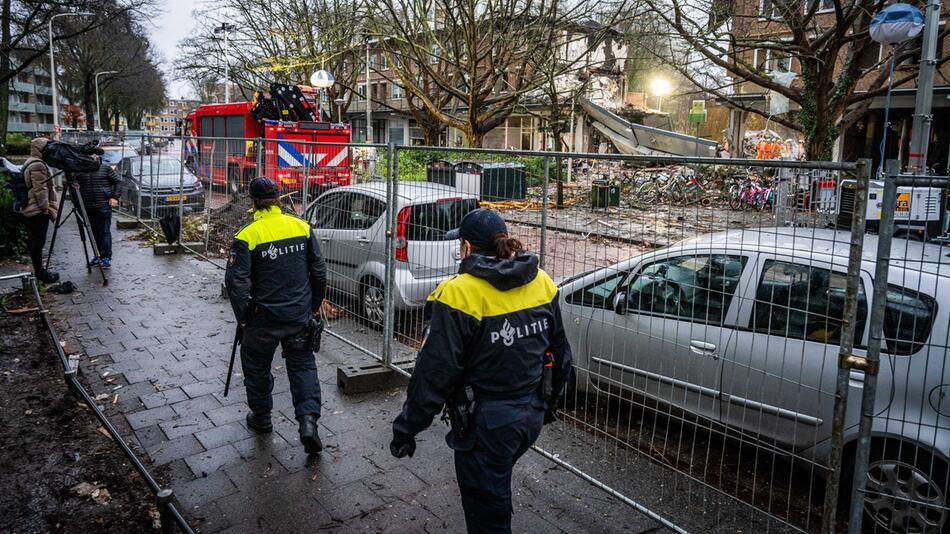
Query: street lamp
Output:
(322,80)
(98,113)
(660,87)
(226,29)
(52,65)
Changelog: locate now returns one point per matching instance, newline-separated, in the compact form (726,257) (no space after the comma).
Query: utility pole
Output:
(98,113)
(366,97)
(923,111)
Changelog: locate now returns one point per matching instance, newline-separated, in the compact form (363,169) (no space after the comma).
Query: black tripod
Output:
(82,219)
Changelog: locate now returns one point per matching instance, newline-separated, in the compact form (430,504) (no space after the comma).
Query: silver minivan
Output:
(742,328)
(350,222)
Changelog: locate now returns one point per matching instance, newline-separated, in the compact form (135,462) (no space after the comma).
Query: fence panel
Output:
(706,302)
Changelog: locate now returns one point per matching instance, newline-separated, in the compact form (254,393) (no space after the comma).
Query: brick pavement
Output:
(157,341)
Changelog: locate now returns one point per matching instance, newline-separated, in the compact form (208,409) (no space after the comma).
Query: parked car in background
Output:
(350,223)
(742,329)
(159,186)
(113,154)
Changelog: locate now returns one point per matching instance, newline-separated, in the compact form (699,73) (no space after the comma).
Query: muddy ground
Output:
(60,473)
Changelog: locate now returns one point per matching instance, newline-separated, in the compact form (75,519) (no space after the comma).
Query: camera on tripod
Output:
(72,160)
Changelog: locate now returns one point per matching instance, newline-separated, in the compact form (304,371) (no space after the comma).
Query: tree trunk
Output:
(87,102)
(4,72)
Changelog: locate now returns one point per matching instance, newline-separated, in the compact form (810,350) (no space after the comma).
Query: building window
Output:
(383,62)
(768,10)
(434,54)
(361,92)
(397,91)
(783,63)
(762,60)
(823,5)
(870,56)
(372,61)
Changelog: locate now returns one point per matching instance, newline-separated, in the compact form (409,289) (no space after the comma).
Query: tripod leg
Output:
(83,219)
(52,241)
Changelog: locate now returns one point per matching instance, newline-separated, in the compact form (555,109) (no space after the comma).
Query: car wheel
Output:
(906,489)
(372,302)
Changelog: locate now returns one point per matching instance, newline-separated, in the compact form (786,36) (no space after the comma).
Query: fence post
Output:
(162,499)
(138,200)
(389,311)
(544,209)
(181,189)
(832,483)
(209,195)
(875,337)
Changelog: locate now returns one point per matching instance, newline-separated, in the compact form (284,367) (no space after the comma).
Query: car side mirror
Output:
(620,303)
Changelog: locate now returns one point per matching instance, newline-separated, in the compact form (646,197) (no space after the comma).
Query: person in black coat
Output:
(100,193)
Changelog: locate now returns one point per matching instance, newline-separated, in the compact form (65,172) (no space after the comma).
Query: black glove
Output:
(402,445)
(550,415)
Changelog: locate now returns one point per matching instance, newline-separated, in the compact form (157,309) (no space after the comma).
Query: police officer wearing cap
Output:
(276,280)
(496,357)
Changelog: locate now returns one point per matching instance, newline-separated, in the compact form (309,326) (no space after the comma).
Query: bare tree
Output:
(826,42)
(24,37)
(281,41)
(480,57)
(120,45)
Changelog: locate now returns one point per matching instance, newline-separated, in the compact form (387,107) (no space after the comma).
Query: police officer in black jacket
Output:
(492,330)
(276,280)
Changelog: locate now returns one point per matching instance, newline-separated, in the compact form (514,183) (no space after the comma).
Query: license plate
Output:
(174,198)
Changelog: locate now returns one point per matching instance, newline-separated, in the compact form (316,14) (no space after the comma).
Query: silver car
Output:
(351,224)
(742,328)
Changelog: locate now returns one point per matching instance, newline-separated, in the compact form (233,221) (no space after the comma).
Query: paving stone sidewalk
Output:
(157,341)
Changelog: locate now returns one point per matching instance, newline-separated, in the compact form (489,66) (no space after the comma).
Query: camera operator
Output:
(41,209)
(100,193)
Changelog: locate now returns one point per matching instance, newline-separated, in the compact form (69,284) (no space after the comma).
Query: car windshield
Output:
(156,167)
(430,222)
(113,157)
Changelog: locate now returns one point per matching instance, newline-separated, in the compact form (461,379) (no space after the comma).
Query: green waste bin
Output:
(604,194)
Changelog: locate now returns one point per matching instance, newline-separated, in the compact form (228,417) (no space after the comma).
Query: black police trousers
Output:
(503,432)
(257,352)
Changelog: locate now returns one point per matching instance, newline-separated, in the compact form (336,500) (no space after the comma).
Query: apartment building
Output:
(164,122)
(760,19)
(31,102)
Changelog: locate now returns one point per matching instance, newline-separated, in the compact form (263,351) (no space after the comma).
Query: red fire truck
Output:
(224,150)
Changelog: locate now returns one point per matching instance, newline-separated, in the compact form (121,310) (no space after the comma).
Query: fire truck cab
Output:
(225,149)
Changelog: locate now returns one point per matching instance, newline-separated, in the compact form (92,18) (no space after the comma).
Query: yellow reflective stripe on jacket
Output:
(478,298)
(272,225)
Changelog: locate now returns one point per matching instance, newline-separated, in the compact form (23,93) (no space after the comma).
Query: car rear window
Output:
(908,316)
(431,221)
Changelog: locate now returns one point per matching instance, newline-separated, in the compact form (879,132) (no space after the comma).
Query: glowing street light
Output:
(660,87)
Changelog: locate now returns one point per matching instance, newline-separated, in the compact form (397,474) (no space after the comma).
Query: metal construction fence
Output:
(758,346)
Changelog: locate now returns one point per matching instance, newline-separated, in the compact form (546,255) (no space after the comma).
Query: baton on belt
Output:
(238,334)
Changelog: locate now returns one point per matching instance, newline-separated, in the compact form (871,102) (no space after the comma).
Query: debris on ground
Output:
(86,483)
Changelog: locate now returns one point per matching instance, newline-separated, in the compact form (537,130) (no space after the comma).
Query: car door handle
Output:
(703,349)
(363,240)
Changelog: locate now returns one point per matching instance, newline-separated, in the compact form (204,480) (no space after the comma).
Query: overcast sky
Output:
(170,26)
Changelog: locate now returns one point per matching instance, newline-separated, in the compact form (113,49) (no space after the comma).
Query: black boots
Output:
(259,423)
(309,435)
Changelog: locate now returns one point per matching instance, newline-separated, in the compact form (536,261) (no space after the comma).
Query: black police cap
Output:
(263,187)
